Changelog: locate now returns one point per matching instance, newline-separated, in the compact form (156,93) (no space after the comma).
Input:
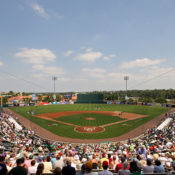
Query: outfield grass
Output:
(110,131)
(80,119)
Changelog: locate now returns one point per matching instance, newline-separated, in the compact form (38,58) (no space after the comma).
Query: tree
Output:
(58,97)
(130,100)
(11,93)
(5,99)
(39,98)
(160,100)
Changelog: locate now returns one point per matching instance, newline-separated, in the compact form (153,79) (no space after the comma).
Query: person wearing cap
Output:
(102,160)
(68,170)
(105,171)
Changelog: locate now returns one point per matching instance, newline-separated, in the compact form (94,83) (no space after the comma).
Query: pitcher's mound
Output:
(90,118)
(89,129)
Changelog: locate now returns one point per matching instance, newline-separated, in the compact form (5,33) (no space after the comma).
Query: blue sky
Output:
(88,44)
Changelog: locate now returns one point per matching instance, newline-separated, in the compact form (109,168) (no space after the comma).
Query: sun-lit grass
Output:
(110,131)
(80,119)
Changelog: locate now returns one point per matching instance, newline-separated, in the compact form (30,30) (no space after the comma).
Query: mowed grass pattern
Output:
(80,119)
(110,131)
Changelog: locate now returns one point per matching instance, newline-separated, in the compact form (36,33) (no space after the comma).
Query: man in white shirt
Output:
(32,169)
(58,163)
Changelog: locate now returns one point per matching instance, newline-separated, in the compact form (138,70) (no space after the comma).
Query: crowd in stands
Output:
(23,152)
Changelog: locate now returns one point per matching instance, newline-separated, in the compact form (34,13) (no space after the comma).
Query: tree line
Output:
(147,96)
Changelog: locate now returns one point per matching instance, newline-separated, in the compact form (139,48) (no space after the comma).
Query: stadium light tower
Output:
(126,78)
(54,79)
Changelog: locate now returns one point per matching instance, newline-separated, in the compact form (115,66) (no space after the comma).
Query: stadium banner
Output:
(33,97)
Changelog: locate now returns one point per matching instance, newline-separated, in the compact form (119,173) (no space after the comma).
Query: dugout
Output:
(90,98)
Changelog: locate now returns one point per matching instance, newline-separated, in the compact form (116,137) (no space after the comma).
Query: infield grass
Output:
(80,119)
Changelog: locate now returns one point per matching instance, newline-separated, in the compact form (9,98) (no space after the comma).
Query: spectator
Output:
(94,162)
(133,166)
(68,170)
(83,169)
(102,160)
(149,168)
(47,165)
(58,163)
(3,168)
(173,170)
(141,163)
(114,162)
(105,171)
(120,165)
(40,169)
(158,168)
(28,161)
(88,168)
(19,169)
(32,169)
(110,160)
(57,171)
(8,165)
(142,151)
(124,171)
(23,164)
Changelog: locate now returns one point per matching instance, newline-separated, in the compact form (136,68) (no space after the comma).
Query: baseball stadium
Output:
(87,87)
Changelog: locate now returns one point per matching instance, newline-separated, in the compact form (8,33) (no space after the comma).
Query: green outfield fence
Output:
(90,98)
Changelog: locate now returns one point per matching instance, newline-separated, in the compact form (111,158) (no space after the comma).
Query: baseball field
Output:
(90,121)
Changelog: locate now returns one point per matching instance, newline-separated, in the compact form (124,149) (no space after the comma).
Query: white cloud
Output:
(36,56)
(141,63)
(89,49)
(82,47)
(68,53)
(64,79)
(40,10)
(43,12)
(39,58)
(107,58)
(52,70)
(38,67)
(95,70)
(1,63)
(95,73)
(88,56)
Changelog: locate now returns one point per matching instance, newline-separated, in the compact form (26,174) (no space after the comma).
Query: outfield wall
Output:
(90,98)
